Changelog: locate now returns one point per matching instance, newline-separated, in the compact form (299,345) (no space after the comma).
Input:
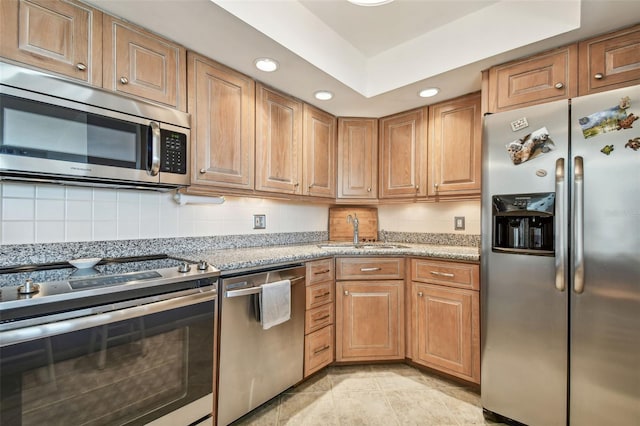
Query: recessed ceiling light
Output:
(323,95)
(369,2)
(427,93)
(266,64)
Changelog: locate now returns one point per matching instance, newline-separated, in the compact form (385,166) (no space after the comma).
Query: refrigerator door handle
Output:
(578,225)
(560,235)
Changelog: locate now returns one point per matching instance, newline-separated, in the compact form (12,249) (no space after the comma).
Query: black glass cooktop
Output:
(104,273)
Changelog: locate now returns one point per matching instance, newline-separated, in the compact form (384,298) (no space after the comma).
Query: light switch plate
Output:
(458,223)
(259,221)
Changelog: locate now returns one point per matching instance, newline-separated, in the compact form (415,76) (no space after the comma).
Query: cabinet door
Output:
(358,158)
(610,61)
(547,77)
(278,142)
(319,153)
(369,320)
(446,330)
(222,107)
(403,142)
(64,37)
(139,63)
(455,132)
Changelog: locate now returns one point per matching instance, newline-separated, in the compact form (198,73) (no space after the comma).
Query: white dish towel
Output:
(275,303)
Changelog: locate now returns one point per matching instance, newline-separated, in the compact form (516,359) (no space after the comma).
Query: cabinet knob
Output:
(420,294)
(203,171)
(297,184)
(124,80)
(559,86)
(599,76)
(346,292)
(435,185)
(368,189)
(80,66)
(417,188)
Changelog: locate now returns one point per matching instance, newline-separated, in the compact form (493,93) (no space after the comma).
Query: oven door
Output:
(146,363)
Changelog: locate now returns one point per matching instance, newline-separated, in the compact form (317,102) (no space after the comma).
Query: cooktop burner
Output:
(29,288)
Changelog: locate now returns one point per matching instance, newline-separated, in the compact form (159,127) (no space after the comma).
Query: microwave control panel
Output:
(174,152)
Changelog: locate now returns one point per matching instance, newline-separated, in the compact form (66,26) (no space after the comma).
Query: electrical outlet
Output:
(458,223)
(259,221)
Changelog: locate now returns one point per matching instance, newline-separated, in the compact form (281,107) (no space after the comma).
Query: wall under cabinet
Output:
(44,213)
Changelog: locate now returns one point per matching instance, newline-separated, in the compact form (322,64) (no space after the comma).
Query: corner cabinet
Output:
(455,133)
(62,37)
(139,63)
(278,142)
(403,144)
(358,158)
(319,153)
(546,77)
(319,317)
(445,317)
(222,108)
(610,61)
(369,308)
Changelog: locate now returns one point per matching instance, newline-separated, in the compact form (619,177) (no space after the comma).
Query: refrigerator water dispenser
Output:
(523,223)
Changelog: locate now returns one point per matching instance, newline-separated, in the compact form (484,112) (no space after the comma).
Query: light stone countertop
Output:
(238,260)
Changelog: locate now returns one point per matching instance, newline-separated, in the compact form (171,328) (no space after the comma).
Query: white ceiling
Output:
(375,59)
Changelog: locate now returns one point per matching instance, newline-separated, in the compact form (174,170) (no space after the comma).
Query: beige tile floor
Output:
(388,394)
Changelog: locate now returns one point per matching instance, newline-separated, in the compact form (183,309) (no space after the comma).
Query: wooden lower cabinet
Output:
(446,329)
(369,320)
(319,330)
(318,350)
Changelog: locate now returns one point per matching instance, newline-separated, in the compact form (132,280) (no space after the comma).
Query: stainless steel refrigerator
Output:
(561,262)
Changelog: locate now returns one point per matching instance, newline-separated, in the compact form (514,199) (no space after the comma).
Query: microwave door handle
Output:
(154,166)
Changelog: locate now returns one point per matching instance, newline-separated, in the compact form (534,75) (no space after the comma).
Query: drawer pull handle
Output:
(322,318)
(598,76)
(370,269)
(319,296)
(322,349)
(81,67)
(559,85)
(442,274)
(324,271)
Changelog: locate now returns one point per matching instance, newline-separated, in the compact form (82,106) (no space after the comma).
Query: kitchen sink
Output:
(365,246)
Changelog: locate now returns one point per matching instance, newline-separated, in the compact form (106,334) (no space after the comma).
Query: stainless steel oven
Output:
(107,347)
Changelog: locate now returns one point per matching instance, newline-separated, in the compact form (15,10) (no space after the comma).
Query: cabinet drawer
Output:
(320,270)
(319,294)
(318,350)
(375,268)
(451,274)
(317,318)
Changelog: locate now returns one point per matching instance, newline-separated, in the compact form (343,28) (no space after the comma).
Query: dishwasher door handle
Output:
(255,290)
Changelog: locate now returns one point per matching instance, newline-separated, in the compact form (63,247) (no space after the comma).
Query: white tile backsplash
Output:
(52,213)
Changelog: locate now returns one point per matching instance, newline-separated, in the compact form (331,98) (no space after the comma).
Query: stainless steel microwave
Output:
(56,130)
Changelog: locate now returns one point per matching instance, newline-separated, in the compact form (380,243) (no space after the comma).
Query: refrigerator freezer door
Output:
(605,336)
(524,315)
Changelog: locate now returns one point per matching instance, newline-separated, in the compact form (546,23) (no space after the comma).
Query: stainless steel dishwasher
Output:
(256,364)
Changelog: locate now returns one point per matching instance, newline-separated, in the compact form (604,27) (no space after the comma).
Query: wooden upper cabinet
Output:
(455,133)
(403,142)
(64,37)
(278,142)
(610,61)
(222,107)
(319,153)
(547,77)
(139,63)
(358,158)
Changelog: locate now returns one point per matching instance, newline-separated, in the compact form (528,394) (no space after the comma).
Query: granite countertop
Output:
(230,260)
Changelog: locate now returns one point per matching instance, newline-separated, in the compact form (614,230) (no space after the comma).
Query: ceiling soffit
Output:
(444,45)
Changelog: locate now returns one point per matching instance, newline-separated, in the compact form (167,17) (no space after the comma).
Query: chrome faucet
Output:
(355,222)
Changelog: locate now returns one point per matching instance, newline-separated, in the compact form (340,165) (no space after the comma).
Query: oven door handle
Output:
(20,335)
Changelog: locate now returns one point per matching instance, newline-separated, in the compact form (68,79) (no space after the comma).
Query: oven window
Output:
(36,129)
(127,372)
